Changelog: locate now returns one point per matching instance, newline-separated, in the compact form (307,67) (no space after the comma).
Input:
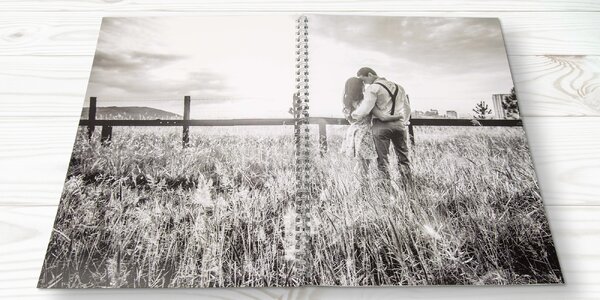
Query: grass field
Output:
(143,212)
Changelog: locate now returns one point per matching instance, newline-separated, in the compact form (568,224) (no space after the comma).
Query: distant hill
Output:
(130,113)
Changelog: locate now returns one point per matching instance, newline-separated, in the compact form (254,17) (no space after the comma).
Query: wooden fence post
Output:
(91,116)
(186,117)
(106,135)
(323,137)
(411,134)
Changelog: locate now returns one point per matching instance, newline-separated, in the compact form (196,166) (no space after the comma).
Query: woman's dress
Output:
(358,142)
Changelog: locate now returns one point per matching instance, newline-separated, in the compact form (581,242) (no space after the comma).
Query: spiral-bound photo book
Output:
(299,150)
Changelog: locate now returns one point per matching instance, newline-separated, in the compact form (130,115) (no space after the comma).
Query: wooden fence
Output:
(186,122)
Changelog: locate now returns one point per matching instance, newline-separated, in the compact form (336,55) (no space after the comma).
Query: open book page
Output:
(434,186)
(152,201)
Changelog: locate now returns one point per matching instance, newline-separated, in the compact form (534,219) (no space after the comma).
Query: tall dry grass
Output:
(144,212)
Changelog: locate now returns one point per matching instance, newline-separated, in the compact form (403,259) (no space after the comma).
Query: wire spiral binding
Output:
(301,139)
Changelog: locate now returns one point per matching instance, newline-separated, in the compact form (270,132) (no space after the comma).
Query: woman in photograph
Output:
(358,142)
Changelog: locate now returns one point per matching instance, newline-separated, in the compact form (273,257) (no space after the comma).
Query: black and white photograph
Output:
(139,209)
(425,175)
(288,150)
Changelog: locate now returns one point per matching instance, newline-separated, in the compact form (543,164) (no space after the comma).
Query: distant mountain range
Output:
(130,113)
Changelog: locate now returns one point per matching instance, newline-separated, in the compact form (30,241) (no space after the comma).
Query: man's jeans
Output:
(383,134)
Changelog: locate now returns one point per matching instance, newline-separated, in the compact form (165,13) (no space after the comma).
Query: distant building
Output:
(417,114)
(498,110)
(432,113)
(451,114)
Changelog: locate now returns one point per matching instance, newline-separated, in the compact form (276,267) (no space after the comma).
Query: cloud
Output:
(137,84)
(443,63)
(462,44)
(138,75)
(132,61)
(169,57)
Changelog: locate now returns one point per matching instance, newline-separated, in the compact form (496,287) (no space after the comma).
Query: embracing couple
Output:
(378,115)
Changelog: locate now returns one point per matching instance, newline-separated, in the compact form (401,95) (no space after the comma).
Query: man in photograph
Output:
(384,95)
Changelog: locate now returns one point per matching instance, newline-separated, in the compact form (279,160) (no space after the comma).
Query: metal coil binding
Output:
(302,149)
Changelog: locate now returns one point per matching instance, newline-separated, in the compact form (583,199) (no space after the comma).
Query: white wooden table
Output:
(46,51)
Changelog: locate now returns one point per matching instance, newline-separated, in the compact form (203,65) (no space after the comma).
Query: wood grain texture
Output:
(35,154)
(557,85)
(56,85)
(298,5)
(43,86)
(525,33)
(26,232)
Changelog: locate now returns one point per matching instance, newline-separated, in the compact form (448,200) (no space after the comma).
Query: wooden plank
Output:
(60,84)
(323,137)
(422,122)
(35,154)
(48,33)
(546,85)
(91,117)
(298,5)
(557,85)
(322,122)
(186,117)
(525,33)
(158,122)
(106,135)
(26,232)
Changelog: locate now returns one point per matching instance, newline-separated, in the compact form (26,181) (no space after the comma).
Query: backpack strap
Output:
(393,96)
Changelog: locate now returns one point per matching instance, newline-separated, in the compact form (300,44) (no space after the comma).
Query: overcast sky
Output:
(243,66)
(442,63)
(231,66)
